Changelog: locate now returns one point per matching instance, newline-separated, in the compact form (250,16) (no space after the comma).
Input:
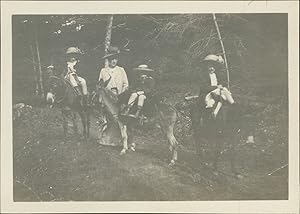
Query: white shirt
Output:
(213,79)
(118,79)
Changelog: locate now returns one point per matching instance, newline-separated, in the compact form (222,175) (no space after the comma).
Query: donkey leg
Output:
(65,122)
(75,127)
(233,154)
(88,123)
(174,155)
(83,121)
(131,139)
(173,143)
(123,129)
(217,150)
(132,147)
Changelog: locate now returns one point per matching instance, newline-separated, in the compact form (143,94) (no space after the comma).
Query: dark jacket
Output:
(205,85)
(147,85)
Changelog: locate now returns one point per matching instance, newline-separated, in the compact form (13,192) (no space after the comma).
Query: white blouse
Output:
(213,79)
(118,78)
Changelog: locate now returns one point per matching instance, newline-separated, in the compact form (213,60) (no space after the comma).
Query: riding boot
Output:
(85,100)
(126,110)
(137,114)
(217,109)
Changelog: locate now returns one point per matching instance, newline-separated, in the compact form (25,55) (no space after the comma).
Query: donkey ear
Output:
(103,83)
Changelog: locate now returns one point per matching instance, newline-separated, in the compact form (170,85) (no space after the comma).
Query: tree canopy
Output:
(170,43)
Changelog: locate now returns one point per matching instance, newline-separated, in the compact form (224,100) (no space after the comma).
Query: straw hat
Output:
(73,50)
(111,52)
(214,58)
(143,68)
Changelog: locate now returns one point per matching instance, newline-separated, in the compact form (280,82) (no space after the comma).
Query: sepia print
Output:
(150,107)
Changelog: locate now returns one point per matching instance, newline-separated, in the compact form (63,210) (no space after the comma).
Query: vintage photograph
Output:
(150,107)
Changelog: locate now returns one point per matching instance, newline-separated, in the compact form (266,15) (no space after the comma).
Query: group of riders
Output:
(212,89)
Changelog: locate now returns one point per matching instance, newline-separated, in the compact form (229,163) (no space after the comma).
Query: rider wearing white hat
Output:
(144,85)
(72,55)
(213,89)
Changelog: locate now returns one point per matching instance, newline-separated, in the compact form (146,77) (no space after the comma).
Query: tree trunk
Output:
(223,49)
(40,76)
(108,36)
(36,75)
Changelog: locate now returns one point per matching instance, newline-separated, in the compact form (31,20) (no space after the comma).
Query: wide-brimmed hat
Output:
(112,51)
(214,58)
(50,66)
(73,53)
(73,50)
(143,68)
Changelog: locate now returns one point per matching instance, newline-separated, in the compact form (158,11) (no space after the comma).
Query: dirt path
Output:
(85,171)
(52,168)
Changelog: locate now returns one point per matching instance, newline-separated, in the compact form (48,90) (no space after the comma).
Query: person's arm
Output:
(104,75)
(125,81)
(101,75)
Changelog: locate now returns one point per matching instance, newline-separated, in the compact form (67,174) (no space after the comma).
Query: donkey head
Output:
(103,84)
(103,91)
(55,89)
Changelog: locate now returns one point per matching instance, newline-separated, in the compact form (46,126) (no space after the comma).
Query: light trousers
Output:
(139,95)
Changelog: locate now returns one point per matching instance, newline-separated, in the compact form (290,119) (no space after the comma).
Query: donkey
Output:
(230,124)
(161,113)
(61,93)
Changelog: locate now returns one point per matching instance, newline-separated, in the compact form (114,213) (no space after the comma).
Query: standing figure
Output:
(212,90)
(78,83)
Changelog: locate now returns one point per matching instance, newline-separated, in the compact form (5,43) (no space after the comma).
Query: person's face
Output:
(211,69)
(73,61)
(112,62)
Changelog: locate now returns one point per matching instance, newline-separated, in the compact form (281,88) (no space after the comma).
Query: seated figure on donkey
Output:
(117,82)
(212,89)
(142,90)
(71,74)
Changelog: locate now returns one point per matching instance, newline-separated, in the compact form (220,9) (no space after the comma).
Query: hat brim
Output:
(206,62)
(143,69)
(210,60)
(109,55)
(213,61)
(73,55)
